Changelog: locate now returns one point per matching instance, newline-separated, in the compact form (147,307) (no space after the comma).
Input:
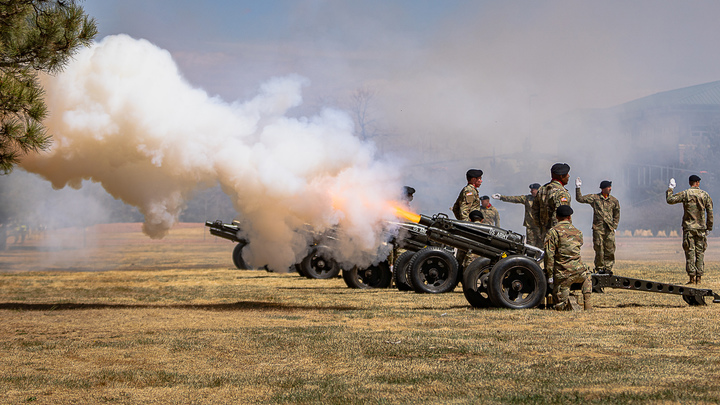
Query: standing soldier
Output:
(606,216)
(491,216)
(469,199)
(532,232)
(563,263)
(551,196)
(695,224)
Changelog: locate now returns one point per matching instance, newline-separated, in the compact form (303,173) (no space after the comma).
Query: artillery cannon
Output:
(317,264)
(507,273)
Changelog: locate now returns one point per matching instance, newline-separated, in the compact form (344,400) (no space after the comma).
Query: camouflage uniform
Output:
(491,216)
(606,216)
(696,203)
(532,232)
(562,262)
(548,199)
(467,202)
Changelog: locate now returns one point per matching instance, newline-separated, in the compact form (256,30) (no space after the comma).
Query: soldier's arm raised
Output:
(585,199)
(673,198)
(515,199)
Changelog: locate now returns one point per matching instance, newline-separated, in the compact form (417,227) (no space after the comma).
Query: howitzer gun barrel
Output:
(225,231)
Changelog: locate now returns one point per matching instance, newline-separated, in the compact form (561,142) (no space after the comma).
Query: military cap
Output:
(564,211)
(484,198)
(472,173)
(560,169)
(605,183)
(476,214)
(694,178)
(408,190)
(535,186)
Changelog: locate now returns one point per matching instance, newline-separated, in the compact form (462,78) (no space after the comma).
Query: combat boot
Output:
(697,279)
(692,280)
(587,304)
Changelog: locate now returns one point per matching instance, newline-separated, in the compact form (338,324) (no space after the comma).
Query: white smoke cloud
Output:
(123,116)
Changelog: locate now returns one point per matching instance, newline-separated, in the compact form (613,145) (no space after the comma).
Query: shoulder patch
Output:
(563,199)
(469,193)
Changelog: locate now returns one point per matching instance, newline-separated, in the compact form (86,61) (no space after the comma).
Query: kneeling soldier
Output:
(563,262)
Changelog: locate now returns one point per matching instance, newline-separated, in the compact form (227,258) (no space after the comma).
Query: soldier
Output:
(695,224)
(468,200)
(408,193)
(476,216)
(563,263)
(532,232)
(550,196)
(491,216)
(606,216)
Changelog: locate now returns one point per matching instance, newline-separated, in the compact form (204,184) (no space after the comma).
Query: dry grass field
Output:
(110,316)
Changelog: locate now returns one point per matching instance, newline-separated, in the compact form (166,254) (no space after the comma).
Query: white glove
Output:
(578,182)
(496,196)
(672,183)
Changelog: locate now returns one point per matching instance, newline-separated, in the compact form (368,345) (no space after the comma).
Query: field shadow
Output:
(234,306)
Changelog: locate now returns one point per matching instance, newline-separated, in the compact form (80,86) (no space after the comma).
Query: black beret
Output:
(564,211)
(605,183)
(476,214)
(560,169)
(408,190)
(484,198)
(535,186)
(694,178)
(472,173)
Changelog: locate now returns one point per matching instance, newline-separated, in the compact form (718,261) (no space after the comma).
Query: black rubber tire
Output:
(433,270)
(517,282)
(476,283)
(318,264)
(375,276)
(400,271)
(237,257)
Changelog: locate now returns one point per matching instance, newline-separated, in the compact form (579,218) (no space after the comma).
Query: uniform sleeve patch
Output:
(563,199)
(469,193)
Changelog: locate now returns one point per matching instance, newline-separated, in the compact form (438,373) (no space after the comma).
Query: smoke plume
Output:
(123,115)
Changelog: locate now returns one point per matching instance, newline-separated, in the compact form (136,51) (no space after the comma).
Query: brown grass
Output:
(171,322)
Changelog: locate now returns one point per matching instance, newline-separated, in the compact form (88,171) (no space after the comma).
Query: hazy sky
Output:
(462,79)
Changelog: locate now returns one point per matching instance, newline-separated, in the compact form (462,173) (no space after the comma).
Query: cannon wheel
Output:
(319,264)
(475,283)
(375,276)
(400,271)
(433,270)
(237,257)
(517,282)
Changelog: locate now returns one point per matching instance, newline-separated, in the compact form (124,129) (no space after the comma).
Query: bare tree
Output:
(363,111)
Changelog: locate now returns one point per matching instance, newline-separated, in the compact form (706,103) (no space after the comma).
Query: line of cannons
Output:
(505,272)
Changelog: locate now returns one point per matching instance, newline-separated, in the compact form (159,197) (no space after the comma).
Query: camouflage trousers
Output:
(562,283)
(534,237)
(694,245)
(604,246)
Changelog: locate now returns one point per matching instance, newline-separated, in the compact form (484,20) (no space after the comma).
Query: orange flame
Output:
(410,216)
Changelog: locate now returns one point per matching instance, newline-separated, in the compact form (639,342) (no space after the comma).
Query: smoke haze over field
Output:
(457,84)
(123,116)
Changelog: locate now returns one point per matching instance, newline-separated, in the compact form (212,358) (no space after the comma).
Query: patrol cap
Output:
(408,190)
(560,169)
(694,178)
(472,173)
(535,186)
(605,183)
(564,211)
(476,214)
(484,198)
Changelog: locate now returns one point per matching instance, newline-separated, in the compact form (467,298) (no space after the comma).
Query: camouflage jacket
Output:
(527,201)
(606,210)
(491,216)
(548,199)
(696,203)
(467,201)
(562,251)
